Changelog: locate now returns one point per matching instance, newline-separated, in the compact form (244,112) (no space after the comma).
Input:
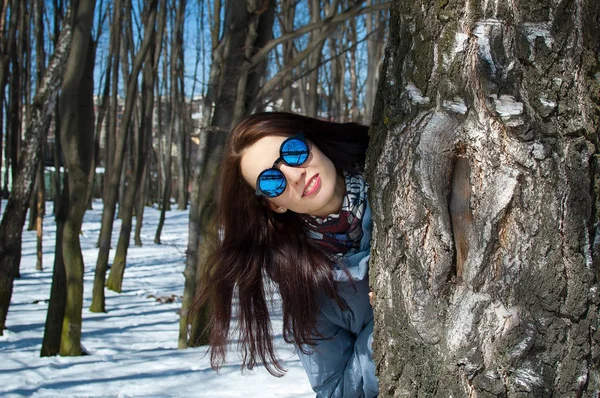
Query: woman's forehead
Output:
(260,156)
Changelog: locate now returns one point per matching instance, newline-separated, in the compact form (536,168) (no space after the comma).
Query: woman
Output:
(292,206)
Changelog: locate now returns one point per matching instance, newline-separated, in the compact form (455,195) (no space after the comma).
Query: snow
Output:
(133,346)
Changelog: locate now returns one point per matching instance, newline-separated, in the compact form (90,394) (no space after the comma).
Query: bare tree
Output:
(175,125)
(110,200)
(142,134)
(58,289)
(484,178)
(40,197)
(13,218)
(376,28)
(77,140)
(152,66)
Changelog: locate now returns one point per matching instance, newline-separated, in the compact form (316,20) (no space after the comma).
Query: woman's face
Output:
(313,188)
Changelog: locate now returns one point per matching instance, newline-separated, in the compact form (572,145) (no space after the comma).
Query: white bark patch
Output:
(526,378)
(415,95)
(507,106)
(533,30)
(538,151)
(547,103)
(483,31)
(523,345)
(506,318)
(457,105)
(463,304)
(460,43)
(496,194)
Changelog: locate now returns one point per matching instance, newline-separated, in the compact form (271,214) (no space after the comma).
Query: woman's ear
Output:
(277,209)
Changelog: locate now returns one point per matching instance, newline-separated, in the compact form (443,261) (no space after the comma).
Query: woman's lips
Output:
(311,187)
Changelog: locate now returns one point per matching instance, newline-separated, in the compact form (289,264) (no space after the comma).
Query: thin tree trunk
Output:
(289,12)
(171,121)
(231,97)
(312,98)
(199,332)
(40,67)
(485,190)
(58,290)
(40,200)
(142,199)
(352,66)
(7,51)
(180,114)
(144,133)
(109,145)
(77,140)
(98,302)
(13,218)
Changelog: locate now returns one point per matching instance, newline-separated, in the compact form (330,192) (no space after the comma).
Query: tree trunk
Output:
(375,25)
(77,140)
(110,138)
(237,46)
(58,290)
(199,333)
(288,8)
(484,178)
(143,133)
(111,189)
(352,67)
(40,201)
(312,64)
(142,194)
(13,218)
(40,67)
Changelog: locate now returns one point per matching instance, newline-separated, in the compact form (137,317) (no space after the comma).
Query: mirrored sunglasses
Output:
(293,152)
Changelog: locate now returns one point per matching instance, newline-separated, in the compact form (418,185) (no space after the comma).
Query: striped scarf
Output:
(340,234)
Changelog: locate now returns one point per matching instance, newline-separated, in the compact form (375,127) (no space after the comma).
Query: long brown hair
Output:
(255,242)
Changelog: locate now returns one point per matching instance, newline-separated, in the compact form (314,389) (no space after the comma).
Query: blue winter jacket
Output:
(341,364)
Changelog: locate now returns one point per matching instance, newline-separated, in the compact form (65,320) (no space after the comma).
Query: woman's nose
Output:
(294,175)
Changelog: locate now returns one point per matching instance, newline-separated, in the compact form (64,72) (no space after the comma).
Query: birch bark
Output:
(483,167)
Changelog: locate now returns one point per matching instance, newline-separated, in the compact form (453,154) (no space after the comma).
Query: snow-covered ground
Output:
(133,346)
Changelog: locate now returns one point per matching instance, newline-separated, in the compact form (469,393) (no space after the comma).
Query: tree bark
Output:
(13,218)
(40,201)
(142,196)
(58,289)
(108,213)
(110,138)
(237,47)
(143,133)
(483,167)
(77,141)
(288,7)
(376,26)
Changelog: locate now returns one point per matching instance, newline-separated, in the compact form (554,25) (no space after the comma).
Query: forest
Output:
(129,101)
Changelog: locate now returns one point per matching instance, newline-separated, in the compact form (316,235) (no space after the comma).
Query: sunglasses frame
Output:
(259,192)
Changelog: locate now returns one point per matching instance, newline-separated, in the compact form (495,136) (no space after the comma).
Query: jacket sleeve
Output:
(341,364)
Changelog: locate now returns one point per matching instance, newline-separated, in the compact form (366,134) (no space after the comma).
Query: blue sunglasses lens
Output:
(294,152)
(272,182)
